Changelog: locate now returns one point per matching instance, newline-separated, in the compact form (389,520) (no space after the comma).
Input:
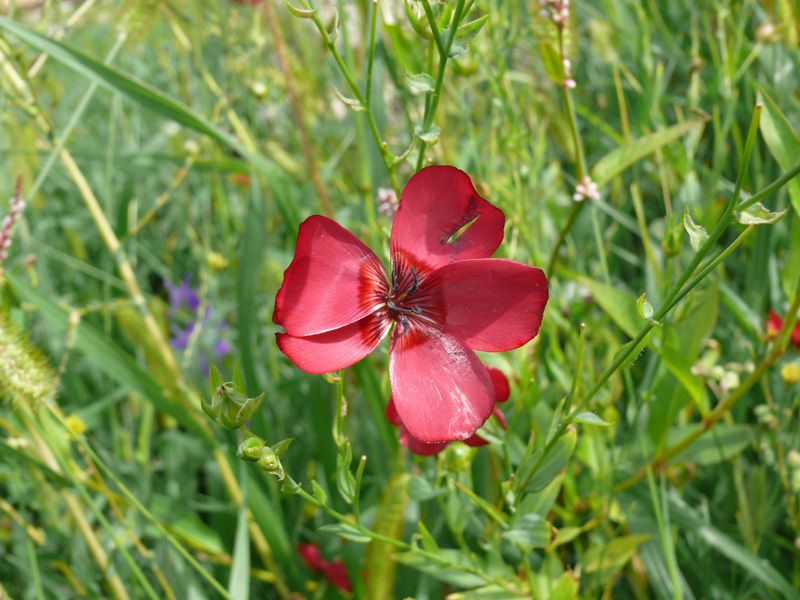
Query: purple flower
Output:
(184,295)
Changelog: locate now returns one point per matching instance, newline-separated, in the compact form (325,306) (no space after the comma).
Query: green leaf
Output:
(353,103)
(528,532)
(681,367)
(611,558)
(720,444)
(427,539)
(319,493)
(489,592)
(551,465)
(112,360)
(790,274)
(591,418)
(239,583)
(299,12)
(782,141)
(697,233)
(430,136)
(448,572)
(420,489)
(689,519)
(553,65)
(415,24)
(346,531)
(141,93)
(619,305)
(423,82)
(616,161)
(637,352)
(566,587)
(758,215)
(646,309)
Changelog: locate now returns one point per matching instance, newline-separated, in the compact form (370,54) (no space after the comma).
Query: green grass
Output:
(652,448)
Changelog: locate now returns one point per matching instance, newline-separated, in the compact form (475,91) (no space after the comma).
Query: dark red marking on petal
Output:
(436,203)
(334,280)
(337,349)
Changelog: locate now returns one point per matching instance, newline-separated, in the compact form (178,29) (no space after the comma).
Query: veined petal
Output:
(435,204)
(440,388)
(491,304)
(334,280)
(337,349)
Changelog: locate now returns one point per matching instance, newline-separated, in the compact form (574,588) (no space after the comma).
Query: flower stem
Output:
(383,147)
(444,52)
(775,352)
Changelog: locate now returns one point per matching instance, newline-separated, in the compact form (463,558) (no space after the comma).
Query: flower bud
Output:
(269,461)
(250,450)
(790,373)
(458,457)
(230,408)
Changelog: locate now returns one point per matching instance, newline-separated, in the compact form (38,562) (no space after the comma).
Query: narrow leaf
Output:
(616,161)
(423,82)
(697,233)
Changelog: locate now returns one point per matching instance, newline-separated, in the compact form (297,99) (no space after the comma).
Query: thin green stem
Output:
(444,52)
(296,489)
(383,147)
(371,58)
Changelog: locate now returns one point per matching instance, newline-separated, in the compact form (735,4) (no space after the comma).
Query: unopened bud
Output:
(790,373)
(250,450)
(458,457)
(230,408)
(269,461)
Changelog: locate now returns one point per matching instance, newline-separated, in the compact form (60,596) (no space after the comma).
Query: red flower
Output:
(774,324)
(446,297)
(335,572)
(501,394)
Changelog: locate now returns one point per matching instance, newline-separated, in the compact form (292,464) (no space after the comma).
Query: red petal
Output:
(336,573)
(419,447)
(477,441)
(391,414)
(500,384)
(492,304)
(337,349)
(334,280)
(409,441)
(312,556)
(441,389)
(435,204)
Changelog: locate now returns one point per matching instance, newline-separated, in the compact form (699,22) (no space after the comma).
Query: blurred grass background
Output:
(132,192)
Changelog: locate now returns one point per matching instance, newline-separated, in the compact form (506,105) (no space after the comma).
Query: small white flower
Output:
(586,189)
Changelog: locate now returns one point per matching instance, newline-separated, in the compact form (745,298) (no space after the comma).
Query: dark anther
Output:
(414,287)
(404,321)
(410,311)
(394,279)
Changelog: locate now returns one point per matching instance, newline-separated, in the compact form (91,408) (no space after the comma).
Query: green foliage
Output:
(651,444)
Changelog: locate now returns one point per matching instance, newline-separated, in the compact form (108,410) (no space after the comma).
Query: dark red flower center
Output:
(400,300)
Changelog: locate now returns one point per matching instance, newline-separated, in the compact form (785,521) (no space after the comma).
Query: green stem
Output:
(296,489)
(371,58)
(387,156)
(775,352)
(444,52)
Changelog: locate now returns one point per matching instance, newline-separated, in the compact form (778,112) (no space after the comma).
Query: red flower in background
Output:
(446,298)
(774,324)
(501,394)
(335,572)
